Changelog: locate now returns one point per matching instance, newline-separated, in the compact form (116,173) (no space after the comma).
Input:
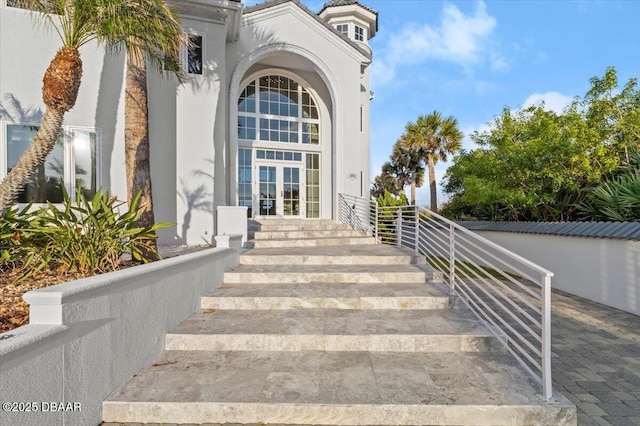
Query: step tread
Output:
(364,254)
(305,269)
(306,233)
(328,290)
(345,322)
(315,387)
(377,250)
(316,241)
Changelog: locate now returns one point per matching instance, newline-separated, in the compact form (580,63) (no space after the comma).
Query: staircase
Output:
(320,325)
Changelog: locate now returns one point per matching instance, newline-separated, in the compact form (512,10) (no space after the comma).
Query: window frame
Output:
(300,120)
(69,174)
(358,36)
(346,26)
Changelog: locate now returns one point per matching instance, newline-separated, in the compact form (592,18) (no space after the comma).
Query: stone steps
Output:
(326,295)
(313,242)
(296,225)
(448,330)
(337,255)
(333,388)
(320,233)
(325,274)
(332,330)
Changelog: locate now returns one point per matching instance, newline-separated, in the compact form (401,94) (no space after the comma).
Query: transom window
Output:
(274,108)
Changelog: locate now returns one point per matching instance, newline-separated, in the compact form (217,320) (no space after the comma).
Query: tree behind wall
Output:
(536,165)
(433,138)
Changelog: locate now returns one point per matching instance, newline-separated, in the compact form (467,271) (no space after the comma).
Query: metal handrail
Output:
(510,294)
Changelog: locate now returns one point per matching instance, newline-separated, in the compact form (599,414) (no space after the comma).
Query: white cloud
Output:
(460,39)
(499,62)
(553,101)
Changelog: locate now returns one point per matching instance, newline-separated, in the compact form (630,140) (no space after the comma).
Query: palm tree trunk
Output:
(44,141)
(432,183)
(138,168)
(413,192)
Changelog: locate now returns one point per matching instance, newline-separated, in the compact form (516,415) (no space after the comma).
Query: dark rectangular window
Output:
(194,54)
(359,33)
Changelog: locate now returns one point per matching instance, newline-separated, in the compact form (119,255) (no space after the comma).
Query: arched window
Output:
(274,108)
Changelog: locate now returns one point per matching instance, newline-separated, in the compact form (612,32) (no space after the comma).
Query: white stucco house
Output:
(274,114)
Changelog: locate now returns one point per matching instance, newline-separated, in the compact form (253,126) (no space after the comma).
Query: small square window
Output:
(343,29)
(359,33)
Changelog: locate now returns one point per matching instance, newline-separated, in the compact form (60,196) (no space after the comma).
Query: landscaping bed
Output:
(14,311)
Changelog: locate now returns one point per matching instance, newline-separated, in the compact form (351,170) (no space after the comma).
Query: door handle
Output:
(282,193)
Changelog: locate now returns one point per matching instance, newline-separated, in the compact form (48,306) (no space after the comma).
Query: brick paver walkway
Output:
(596,360)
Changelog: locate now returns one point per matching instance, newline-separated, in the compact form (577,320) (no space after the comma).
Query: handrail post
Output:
(417,231)
(399,228)
(452,259)
(547,389)
(376,229)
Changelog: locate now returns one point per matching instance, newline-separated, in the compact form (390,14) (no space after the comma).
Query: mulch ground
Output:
(14,311)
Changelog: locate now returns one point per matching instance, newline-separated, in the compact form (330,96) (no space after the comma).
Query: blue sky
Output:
(470,59)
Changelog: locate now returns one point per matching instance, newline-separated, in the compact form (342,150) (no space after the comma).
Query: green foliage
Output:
(389,200)
(387,217)
(618,199)
(12,226)
(387,181)
(88,236)
(536,165)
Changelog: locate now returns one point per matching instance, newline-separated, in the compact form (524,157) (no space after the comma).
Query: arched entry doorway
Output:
(280,137)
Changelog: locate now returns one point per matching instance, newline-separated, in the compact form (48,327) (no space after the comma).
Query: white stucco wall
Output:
(604,270)
(26,49)
(200,138)
(89,336)
(285,36)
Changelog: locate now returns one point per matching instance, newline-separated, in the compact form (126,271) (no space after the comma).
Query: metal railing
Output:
(508,293)
(358,213)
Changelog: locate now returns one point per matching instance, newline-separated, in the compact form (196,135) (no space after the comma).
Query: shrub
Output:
(12,227)
(88,236)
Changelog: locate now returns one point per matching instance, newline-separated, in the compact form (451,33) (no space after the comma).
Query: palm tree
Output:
(387,180)
(407,166)
(132,25)
(433,137)
(158,38)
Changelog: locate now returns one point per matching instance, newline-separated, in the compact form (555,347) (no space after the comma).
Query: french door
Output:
(279,190)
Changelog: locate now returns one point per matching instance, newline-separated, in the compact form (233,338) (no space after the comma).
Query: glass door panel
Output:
(291,191)
(267,198)
(278,189)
